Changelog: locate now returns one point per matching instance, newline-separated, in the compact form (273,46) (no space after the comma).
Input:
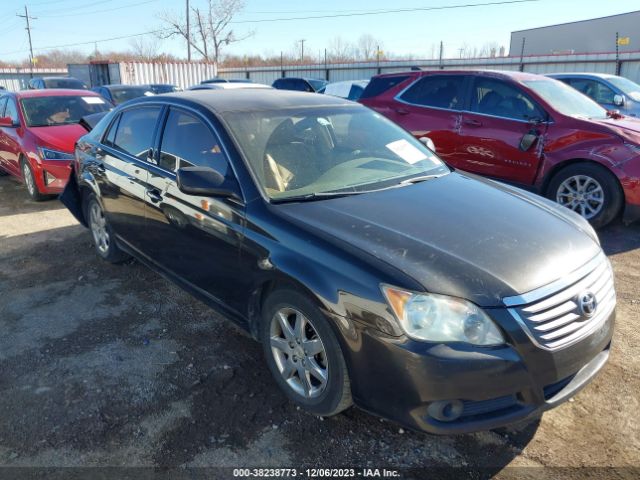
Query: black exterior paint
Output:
(453,235)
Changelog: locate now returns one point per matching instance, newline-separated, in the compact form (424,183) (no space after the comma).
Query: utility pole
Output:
(302,40)
(188,33)
(27,18)
(524,41)
(441,53)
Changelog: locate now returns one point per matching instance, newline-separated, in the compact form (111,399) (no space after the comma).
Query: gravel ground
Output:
(104,365)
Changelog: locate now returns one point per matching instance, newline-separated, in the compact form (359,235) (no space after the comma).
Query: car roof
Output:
(514,75)
(122,85)
(251,99)
(55,92)
(227,86)
(581,74)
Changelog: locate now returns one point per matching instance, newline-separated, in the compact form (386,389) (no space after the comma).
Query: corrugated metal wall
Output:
(181,74)
(600,63)
(14,78)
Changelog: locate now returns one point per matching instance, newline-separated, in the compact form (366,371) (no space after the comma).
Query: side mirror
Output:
(204,182)
(618,100)
(527,141)
(428,143)
(7,122)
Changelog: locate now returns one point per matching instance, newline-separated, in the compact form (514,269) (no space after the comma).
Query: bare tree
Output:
(145,49)
(210,28)
(340,50)
(367,47)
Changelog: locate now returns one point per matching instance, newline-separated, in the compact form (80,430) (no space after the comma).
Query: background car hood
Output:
(456,235)
(60,137)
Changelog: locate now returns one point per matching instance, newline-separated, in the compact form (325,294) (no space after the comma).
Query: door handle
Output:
(153,195)
(472,122)
(402,111)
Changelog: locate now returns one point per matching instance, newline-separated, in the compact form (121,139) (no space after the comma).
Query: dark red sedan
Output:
(524,129)
(38,131)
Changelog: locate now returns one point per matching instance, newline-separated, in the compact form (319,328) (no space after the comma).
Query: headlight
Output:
(439,318)
(48,154)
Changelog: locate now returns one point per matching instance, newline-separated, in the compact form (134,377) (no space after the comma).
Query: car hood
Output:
(457,235)
(59,137)
(627,127)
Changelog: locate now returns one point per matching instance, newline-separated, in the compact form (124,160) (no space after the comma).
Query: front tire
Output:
(303,354)
(30,182)
(101,232)
(588,189)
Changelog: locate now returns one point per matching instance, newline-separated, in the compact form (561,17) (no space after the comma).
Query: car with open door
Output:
(369,271)
(38,132)
(529,130)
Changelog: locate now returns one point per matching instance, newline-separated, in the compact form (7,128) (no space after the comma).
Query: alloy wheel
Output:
(299,353)
(28,179)
(98,225)
(582,194)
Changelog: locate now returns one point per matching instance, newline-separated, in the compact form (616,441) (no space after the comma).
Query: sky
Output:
(63,22)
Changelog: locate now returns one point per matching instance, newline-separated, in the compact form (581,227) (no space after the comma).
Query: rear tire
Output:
(29,180)
(306,362)
(588,189)
(3,173)
(101,232)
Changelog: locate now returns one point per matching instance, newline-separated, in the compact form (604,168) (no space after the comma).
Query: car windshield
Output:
(65,83)
(629,88)
(566,99)
(324,151)
(60,110)
(317,84)
(122,94)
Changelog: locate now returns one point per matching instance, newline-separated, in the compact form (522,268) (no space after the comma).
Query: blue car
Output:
(610,91)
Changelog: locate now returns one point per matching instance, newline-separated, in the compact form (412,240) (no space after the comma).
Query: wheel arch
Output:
(553,171)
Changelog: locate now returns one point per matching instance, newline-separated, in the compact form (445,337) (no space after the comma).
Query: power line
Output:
(96,11)
(381,12)
(363,13)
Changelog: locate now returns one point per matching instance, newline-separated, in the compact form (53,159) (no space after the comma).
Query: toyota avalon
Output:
(370,271)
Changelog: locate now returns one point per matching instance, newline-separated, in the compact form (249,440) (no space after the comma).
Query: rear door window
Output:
(500,99)
(3,103)
(187,141)
(135,131)
(439,91)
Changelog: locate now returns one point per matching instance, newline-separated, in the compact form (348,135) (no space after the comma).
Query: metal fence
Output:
(17,78)
(625,64)
(186,74)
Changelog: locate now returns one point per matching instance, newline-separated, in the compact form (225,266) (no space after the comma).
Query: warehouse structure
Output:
(598,35)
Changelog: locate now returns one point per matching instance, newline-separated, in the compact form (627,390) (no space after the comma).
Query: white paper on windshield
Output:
(406,151)
(93,100)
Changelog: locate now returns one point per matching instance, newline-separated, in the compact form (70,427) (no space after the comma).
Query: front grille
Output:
(554,319)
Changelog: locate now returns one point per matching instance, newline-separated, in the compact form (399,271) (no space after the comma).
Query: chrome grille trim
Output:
(553,319)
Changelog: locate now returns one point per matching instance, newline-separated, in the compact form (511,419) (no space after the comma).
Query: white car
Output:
(350,89)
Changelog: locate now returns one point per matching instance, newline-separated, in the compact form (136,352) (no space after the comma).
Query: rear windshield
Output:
(60,110)
(122,94)
(382,84)
(64,83)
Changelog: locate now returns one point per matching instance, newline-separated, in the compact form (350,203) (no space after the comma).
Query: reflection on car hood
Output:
(456,235)
(59,137)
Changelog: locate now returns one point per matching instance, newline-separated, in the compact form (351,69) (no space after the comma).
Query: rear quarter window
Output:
(380,85)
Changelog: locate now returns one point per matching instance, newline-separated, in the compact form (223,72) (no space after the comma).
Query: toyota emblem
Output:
(587,304)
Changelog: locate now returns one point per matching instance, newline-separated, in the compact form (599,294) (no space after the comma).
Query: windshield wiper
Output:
(317,196)
(421,178)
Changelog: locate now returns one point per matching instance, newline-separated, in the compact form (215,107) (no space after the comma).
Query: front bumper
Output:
(52,176)
(413,383)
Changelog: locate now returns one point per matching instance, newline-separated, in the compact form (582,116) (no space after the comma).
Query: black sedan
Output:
(117,94)
(370,271)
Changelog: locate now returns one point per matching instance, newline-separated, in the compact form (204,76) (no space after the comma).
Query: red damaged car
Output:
(524,129)
(38,132)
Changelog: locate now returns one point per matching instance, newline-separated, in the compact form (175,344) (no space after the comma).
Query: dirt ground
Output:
(104,365)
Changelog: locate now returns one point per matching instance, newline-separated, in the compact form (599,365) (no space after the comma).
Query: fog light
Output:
(49,178)
(446,410)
